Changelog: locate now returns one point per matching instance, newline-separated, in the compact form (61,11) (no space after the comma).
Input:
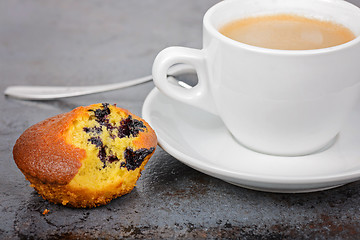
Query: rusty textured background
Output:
(91,42)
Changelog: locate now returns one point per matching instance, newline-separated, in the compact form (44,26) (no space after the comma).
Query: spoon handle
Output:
(49,93)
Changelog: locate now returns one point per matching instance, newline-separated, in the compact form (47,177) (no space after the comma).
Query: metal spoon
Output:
(49,93)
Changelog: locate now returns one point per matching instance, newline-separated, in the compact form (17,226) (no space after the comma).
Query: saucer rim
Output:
(218,172)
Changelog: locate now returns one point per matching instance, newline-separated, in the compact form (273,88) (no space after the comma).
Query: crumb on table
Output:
(46,211)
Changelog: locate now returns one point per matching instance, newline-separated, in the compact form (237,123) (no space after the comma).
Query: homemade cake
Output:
(86,157)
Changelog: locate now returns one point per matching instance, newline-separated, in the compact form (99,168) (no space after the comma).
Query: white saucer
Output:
(201,141)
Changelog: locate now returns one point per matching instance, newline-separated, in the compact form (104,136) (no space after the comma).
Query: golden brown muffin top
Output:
(42,152)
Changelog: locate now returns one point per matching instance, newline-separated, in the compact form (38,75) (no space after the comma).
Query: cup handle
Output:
(199,95)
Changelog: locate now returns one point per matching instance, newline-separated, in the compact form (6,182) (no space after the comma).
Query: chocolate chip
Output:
(96,130)
(106,158)
(102,154)
(101,113)
(134,159)
(130,127)
(112,158)
(96,141)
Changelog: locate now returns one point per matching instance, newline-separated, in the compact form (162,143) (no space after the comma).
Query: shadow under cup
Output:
(278,102)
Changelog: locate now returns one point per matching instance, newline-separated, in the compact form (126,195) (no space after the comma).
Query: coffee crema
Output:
(287,32)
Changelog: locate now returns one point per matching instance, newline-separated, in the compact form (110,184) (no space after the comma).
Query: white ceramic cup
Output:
(279,102)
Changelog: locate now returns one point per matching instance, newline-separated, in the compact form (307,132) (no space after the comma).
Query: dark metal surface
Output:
(91,42)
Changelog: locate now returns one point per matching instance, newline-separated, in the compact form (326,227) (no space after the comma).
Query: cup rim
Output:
(215,32)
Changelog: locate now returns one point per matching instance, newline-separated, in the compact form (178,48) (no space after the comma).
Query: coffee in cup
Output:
(287,32)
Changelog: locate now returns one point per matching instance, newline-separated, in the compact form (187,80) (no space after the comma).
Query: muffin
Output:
(86,157)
